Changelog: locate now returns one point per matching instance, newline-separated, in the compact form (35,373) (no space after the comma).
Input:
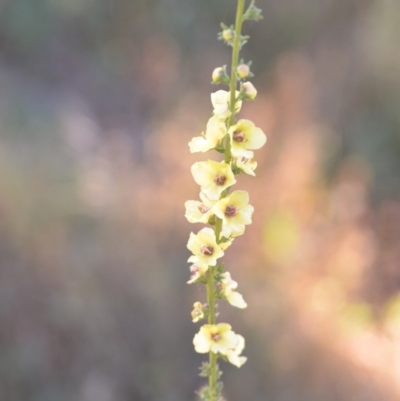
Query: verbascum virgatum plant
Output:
(227,212)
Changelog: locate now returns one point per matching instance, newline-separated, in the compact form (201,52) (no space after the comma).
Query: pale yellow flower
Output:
(199,212)
(197,312)
(215,132)
(246,165)
(204,247)
(213,177)
(220,339)
(217,338)
(249,90)
(235,212)
(234,356)
(197,272)
(220,101)
(227,287)
(244,136)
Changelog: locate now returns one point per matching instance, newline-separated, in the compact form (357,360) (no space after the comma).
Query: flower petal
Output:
(236,300)
(201,343)
(256,140)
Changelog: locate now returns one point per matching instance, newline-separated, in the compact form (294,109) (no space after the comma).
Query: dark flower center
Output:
(203,208)
(230,211)
(216,337)
(207,250)
(220,179)
(238,136)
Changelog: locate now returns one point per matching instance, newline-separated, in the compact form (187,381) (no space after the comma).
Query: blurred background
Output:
(98,102)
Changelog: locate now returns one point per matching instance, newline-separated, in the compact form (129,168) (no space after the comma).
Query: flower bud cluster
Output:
(227,212)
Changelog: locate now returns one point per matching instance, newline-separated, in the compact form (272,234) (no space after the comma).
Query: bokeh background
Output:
(98,102)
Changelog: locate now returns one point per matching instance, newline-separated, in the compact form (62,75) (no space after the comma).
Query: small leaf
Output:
(253,13)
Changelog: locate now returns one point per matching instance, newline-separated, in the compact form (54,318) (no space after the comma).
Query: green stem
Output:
(227,152)
(212,379)
(235,59)
(210,296)
(211,320)
(218,229)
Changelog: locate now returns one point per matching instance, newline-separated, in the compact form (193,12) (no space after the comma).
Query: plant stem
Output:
(212,379)
(235,59)
(211,320)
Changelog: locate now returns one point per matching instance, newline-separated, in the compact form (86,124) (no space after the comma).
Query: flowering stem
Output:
(212,379)
(228,212)
(235,58)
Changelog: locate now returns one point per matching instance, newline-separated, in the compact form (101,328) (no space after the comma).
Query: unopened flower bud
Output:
(217,74)
(249,90)
(227,34)
(243,70)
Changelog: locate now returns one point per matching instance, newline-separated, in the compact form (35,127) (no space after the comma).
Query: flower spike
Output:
(226,212)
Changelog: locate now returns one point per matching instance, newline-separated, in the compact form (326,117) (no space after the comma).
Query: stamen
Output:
(230,211)
(238,136)
(203,208)
(216,337)
(207,250)
(220,179)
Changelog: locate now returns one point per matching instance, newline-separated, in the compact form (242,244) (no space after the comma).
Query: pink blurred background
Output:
(99,101)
